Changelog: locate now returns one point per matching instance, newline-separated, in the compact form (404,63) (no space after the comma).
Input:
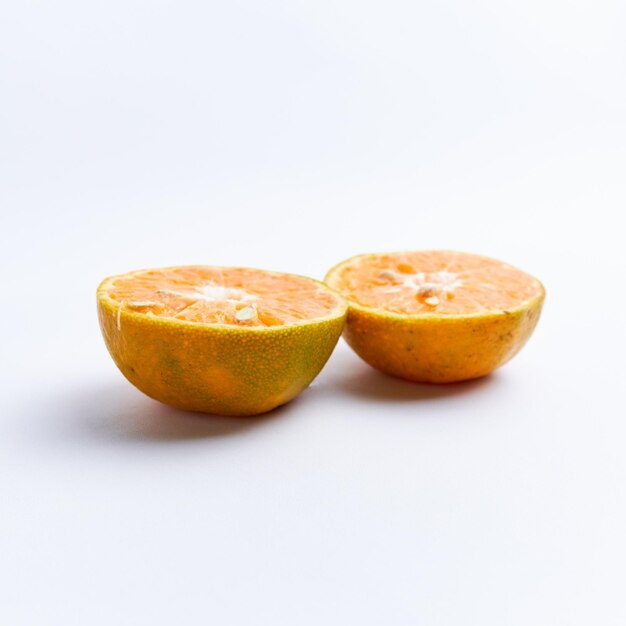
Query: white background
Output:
(289,135)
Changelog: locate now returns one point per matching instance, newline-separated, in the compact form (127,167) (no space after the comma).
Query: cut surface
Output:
(437,282)
(224,296)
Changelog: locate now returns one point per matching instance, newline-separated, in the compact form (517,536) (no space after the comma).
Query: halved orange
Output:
(436,316)
(231,341)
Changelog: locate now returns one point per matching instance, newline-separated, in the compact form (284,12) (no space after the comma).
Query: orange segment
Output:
(215,295)
(441,282)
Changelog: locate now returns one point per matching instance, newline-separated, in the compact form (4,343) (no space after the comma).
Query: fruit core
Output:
(429,287)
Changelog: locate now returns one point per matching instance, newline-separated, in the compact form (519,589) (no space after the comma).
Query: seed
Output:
(426,291)
(433,301)
(168,293)
(386,274)
(245,314)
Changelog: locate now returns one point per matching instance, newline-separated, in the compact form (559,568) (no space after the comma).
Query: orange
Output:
(231,341)
(436,316)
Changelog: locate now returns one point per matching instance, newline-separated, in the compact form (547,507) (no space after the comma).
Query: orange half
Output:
(233,341)
(436,316)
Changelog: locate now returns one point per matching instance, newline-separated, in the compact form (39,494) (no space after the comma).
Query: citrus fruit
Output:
(231,341)
(436,316)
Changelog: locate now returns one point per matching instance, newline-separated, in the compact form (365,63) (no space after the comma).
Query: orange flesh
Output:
(440,282)
(231,296)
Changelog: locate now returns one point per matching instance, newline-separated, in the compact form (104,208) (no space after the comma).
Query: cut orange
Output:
(231,341)
(436,316)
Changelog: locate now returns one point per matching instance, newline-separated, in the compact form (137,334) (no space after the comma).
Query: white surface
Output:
(291,135)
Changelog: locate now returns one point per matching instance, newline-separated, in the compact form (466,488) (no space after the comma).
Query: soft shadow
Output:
(366,382)
(119,412)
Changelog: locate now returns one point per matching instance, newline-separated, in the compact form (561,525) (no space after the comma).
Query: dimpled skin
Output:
(438,349)
(217,369)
